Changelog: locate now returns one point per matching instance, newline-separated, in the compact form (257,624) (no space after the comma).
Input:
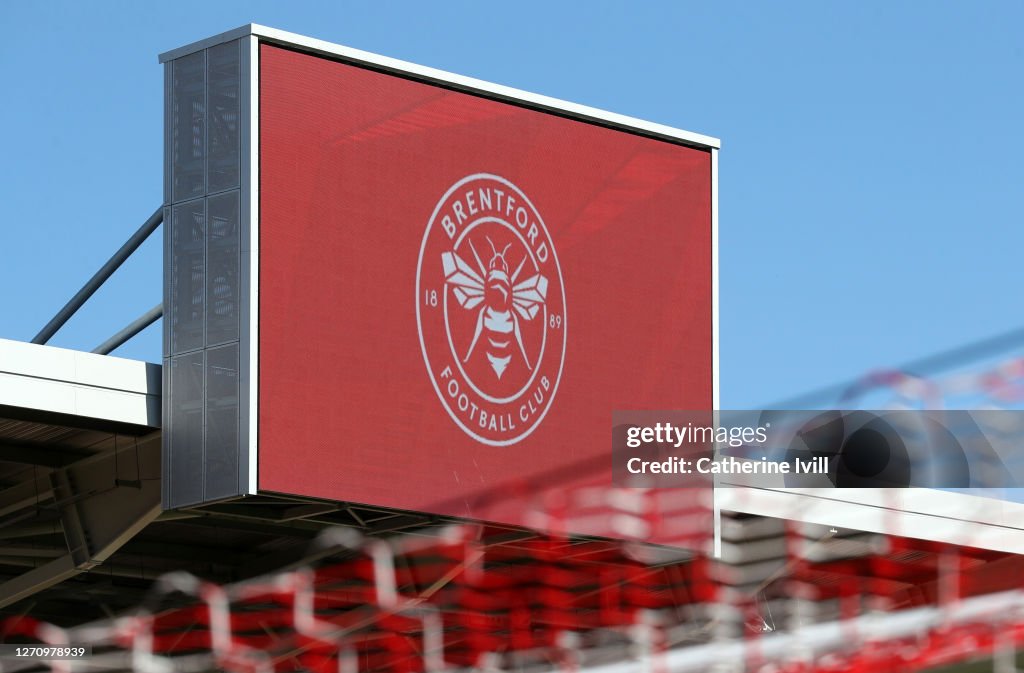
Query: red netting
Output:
(462,597)
(789,597)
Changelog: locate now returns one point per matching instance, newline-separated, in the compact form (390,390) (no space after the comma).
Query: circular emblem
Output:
(491,309)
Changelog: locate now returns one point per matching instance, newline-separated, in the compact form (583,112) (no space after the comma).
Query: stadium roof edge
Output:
(461,82)
(60,385)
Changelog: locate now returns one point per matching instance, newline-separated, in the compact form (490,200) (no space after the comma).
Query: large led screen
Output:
(455,292)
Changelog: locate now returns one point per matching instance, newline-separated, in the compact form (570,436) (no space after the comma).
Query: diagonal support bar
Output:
(130,330)
(37,579)
(100,277)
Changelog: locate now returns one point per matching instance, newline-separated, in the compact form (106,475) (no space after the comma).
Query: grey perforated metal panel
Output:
(222,139)
(207,134)
(184,439)
(188,276)
(222,250)
(222,456)
(188,126)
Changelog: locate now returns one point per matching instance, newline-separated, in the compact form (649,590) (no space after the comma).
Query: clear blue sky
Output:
(871,172)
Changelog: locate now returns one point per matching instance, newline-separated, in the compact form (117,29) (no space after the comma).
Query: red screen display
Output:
(455,293)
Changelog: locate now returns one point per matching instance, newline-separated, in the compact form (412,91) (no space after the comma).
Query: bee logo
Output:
(503,302)
(490,307)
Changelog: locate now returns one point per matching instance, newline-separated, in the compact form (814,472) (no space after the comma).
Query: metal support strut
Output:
(105,272)
(130,330)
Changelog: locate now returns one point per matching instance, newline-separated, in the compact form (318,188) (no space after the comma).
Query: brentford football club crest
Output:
(491,309)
